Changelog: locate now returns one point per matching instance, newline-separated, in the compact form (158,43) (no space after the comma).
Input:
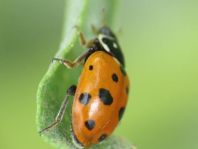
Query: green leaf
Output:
(53,86)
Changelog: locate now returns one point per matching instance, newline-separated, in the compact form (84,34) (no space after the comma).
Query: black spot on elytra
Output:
(115,77)
(91,67)
(121,112)
(102,137)
(90,124)
(123,70)
(105,96)
(84,98)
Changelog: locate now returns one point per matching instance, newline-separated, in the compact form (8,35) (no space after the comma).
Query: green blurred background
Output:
(160,42)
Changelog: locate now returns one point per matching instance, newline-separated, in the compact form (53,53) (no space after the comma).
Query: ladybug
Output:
(100,97)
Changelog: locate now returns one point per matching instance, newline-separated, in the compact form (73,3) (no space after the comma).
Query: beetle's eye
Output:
(106,31)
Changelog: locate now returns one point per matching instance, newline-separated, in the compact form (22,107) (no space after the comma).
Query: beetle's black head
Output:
(107,32)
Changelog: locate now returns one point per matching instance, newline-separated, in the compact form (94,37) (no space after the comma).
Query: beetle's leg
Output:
(82,38)
(83,41)
(94,29)
(70,92)
(76,62)
(104,17)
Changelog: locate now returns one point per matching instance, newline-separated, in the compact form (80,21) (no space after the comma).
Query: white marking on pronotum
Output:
(115,45)
(101,37)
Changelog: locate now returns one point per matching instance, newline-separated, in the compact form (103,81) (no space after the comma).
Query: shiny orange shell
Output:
(100,99)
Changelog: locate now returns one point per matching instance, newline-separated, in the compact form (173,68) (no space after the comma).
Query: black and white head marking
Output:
(111,46)
(105,40)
